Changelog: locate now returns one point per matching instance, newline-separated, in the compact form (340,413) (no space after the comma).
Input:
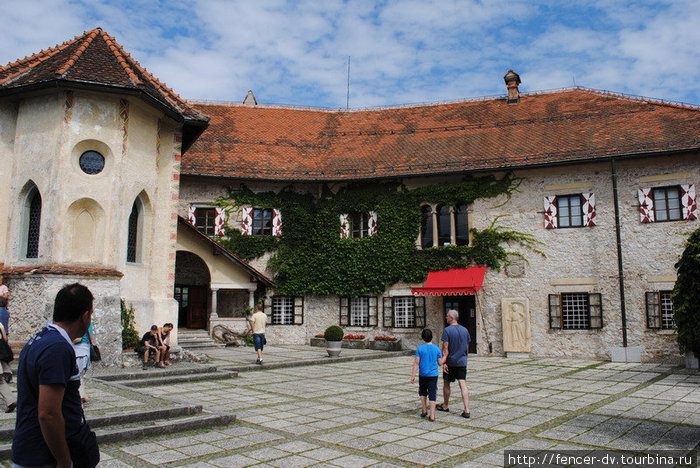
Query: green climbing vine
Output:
(311,258)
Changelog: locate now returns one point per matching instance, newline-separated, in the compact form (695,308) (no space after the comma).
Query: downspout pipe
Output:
(620,268)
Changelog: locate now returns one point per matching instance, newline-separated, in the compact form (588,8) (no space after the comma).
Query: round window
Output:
(92,162)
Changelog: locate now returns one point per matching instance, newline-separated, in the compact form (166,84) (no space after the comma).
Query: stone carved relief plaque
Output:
(517,335)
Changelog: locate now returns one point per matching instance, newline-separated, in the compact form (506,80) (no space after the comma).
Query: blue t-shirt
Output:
(457,338)
(5,319)
(429,355)
(46,359)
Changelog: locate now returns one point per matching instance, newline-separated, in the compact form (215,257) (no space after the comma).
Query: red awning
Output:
(454,282)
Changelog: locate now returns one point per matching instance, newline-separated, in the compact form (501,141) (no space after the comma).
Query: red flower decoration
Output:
(354,337)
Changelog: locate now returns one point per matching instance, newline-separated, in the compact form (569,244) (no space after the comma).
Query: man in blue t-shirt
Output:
(48,402)
(455,346)
(428,360)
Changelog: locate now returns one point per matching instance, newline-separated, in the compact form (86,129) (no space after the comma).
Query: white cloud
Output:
(403,51)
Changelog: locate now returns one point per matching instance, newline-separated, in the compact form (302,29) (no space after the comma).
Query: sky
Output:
(400,52)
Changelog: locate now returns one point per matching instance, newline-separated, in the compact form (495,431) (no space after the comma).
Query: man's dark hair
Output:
(427,335)
(71,301)
(154,327)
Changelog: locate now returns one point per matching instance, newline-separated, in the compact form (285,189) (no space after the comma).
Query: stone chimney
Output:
(512,80)
(250,99)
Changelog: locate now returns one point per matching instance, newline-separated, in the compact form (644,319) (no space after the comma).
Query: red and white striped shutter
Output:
(588,209)
(646,205)
(372,223)
(344,226)
(219,222)
(247,221)
(689,202)
(191,216)
(276,222)
(550,212)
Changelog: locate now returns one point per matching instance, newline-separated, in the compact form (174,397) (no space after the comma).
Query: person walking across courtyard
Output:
(50,429)
(455,346)
(257,323)
(427,362)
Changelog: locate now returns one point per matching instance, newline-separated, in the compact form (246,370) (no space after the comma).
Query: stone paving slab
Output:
(365,413)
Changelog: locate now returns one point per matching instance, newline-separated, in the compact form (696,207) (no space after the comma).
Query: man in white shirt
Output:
(257,323)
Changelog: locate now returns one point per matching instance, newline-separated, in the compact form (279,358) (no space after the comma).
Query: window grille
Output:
(358,311)
(575,311)
(659,310)
(282,310)
(34,225)
(404,312)
(132,236)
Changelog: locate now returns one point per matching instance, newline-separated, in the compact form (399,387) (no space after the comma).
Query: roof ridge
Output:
(630,97)
(636,98)
(159,85)
(121,57)
(30,61)
(79,51)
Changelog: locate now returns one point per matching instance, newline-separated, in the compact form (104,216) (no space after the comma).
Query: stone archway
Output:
(192,279)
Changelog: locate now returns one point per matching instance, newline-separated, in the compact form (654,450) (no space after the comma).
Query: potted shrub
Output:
(334,340)
(686,301)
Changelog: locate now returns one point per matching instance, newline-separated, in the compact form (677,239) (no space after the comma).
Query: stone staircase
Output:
(160,417)
(196,340)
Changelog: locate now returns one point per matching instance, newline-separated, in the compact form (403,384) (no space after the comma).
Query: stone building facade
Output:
(126,201)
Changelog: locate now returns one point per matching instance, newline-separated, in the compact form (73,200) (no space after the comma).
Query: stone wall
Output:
(576,260)
(31,306)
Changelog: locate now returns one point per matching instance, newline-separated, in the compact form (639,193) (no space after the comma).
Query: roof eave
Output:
(227,253)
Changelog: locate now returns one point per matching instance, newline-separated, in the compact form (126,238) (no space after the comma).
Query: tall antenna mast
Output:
(347,100)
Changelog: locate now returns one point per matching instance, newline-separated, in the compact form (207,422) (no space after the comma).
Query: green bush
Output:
(334,333)
(686,296)
(130,337)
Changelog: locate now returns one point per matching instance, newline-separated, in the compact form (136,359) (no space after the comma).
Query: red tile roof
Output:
(95,60)
(53,269)
(278,143)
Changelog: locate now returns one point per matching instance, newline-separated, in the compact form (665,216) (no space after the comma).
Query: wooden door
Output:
(197,307)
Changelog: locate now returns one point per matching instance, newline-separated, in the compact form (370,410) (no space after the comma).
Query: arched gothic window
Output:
(444,214)
(461,225)
(132,237)
(426,230)
(33,224)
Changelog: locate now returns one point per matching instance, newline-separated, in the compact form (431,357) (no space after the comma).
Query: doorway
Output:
(192,306)
(466,306)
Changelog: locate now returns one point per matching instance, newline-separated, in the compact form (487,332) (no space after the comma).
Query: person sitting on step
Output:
(149,345)
(164,341)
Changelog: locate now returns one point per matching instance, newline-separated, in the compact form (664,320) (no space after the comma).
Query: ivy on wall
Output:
(310,258)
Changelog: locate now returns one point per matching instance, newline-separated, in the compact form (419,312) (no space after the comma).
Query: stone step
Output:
(138,428)
(124,417)
(174,379)
(201,344)
(154,372)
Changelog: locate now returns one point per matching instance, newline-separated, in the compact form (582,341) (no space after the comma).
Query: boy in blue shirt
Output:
(428,360)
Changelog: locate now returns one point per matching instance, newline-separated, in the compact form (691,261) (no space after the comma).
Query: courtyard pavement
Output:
(366,412)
